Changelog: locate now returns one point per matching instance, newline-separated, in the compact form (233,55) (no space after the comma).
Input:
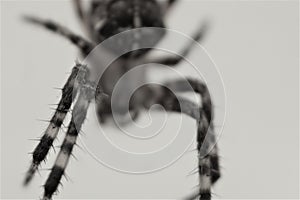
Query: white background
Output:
(256,47)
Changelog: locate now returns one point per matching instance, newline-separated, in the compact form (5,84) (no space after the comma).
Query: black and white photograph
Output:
(149,99)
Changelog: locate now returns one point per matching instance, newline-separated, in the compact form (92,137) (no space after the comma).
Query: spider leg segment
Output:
(69,92)
(209,170)
(85,46)
(83,15)
(86,93)
(215,166)
(176,59)
(167,5)
(208,166)
(171,2)
(79,9)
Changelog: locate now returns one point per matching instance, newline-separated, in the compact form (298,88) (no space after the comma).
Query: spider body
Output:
(104,19)
(115,16)
(111,17)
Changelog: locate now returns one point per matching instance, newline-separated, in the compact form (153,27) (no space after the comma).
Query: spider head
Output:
(123,15)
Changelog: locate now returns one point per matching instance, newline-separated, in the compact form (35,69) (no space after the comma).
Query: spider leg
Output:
(176,59)
(83,16)
(103,107)
(69,92)
(166,5)
(208,166)
(215,166)
(79,113)
(209,170)
(84,45)
(79,9)
(170,3)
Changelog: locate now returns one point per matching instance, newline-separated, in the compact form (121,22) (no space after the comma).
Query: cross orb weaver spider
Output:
(104,19)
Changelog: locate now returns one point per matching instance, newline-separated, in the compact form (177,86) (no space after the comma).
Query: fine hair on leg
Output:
(208,165)
(87,92)
(69,92)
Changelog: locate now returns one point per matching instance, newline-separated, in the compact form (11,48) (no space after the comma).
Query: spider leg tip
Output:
(29,18)
(30,173)
(27,179)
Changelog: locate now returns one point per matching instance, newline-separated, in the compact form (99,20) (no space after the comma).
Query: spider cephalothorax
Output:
(108,18)
(102,20)
(121,15)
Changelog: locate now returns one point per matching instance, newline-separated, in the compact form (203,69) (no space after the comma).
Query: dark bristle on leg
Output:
(69,92)
(85,46)
(78,116)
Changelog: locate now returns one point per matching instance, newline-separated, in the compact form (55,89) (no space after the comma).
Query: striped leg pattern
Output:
(69,92)
(87,92)
(209,171)
(85,46)
(208,165)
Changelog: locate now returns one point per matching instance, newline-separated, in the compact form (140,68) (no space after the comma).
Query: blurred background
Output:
(255,45)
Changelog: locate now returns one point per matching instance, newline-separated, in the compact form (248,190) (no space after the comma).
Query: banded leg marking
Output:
(85,46)
(208,168)
(78,117)
(69,92)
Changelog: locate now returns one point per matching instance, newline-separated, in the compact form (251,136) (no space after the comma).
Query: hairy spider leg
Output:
(69,92)
(209,171)
(208,166)
(86,94)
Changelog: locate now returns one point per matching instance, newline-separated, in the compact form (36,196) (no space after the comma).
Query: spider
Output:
(104,19)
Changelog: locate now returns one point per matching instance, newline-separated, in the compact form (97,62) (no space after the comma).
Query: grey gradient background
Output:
(256,47)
